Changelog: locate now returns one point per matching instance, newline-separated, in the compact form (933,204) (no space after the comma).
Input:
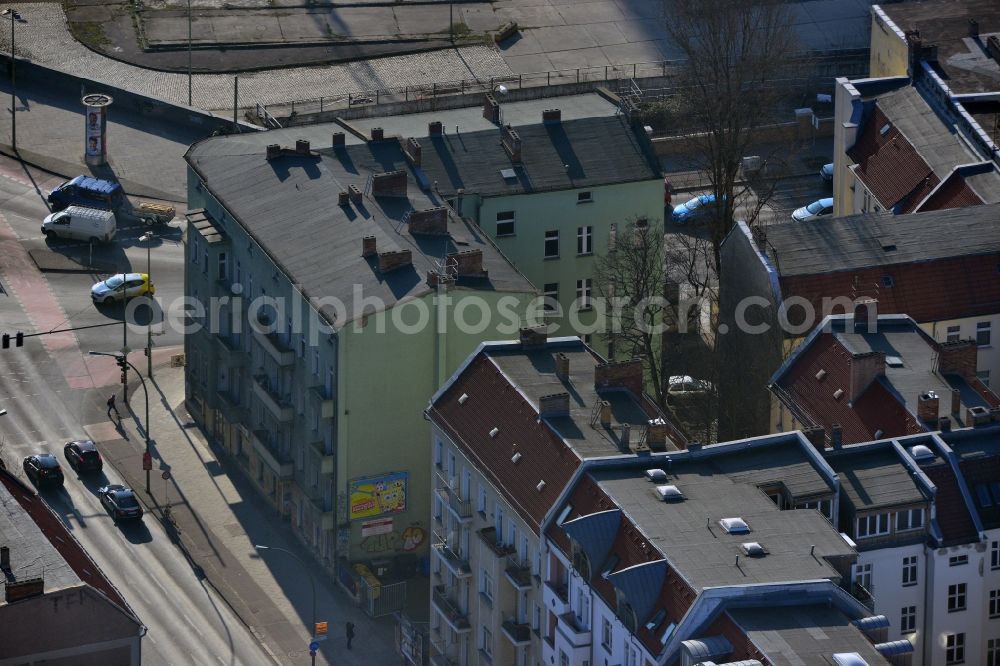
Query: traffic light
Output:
(5,341)
(19,339)
(124,378)
(145,351)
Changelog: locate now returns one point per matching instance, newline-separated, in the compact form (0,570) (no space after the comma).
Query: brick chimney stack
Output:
(927,407)
(866,315)
(562,366)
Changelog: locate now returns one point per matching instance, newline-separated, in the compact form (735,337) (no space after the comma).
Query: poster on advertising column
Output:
(95,128)
(377,495)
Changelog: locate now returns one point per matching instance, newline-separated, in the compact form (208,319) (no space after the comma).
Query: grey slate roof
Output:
(290,207)
(784,464)
(797,635)
(874,477)
(584,152)
(595,533)
(641,585)
(858,241)
(689,536)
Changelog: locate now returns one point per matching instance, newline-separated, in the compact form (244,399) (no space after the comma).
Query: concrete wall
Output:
(889,54)
(799,130)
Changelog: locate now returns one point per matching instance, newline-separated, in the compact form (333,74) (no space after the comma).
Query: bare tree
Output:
(631,278)
(736,55)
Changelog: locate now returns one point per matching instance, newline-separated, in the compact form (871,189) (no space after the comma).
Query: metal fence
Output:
(382,599)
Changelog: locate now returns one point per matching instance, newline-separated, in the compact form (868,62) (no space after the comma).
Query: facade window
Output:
(956,597)
(823,506)
(874,525)
(908,619)
(606,634)
(958,560)
(550,292)
(984,377)
(993,652)
(954,649)
(583,290)
(239,273)
(909,520)
(954,333)
(983,333)
(316,362)
(194,249)
(482,500)
(994,603)
(584,197)
(223,266)
(505,223)
(584,240)
(910,570)
(863,575)
(995,555)
(563,658)
(438,453)
(551,244)
(487,641)
(486,586)
(612,237)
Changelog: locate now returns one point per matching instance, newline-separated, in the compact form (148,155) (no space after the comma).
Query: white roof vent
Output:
(837,394)
(894,361)
(656,475)
(541,486)
(849,659)
(508,174)
(921,452)
(514,458)
(668,493)
(734,525)
(753,549)
(494,432)
(462,398)
(820,374)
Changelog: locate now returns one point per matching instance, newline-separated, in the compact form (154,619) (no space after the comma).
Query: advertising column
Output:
(95,148)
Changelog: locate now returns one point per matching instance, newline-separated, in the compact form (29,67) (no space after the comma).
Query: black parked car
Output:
(120,502)
(82,455)
(43,469)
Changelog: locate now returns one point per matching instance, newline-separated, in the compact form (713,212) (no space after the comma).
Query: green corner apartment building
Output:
(332,279)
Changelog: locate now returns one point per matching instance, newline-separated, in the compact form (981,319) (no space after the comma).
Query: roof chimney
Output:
(621,374)
(626,440)
(301,146)
(491,108)
(656,434)
(511,141)
(927,407)
(429,222)
(973,28)
(534,336)
(866,315)
(468,263)
(836,435)
(354,193)
(944,423)
(343,198)
(816,437)
(273,151)
(562,366)
(389,183)
(605,415)
(977,416)
(435,128)
(22,589)
(378,134)
(339,139)
(956,401)
(393,260)
(554,404)
(368,247)
(551,116)
(865,369)
(4,558)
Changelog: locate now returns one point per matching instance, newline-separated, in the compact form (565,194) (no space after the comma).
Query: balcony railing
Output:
(275,347)
(489,537)
(279,462)
(461,507)
(443,653)
(518,572)
(230,351)
(456,618)
(457,563)
(277,404)
(571,629)
(323,402)
(863,594)
(517,633)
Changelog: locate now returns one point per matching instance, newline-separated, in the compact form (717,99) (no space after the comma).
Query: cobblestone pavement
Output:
(43,38)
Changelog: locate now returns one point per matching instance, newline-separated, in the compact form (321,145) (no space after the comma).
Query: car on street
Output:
(121,287)
(679,385)
(120,502)
(694,209)
(43,470)
(826,173)
(815,210)
(82,455)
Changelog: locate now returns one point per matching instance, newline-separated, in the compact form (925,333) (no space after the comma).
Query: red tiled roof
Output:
(890,166)
(494,402)
(952,513)
(953,193)
(876,409)
(951,288)
(979,471)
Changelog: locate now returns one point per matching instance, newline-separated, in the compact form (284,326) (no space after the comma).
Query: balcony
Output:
(230,352)
(555,596)
(278,462)
(864,595)
(324,403)
(276,404)
(275,348)
(455,562)
(231,407)
(518,573)
(326,460)
(517,633)
(448,492)
(454,616)
(571,630)
(489,537)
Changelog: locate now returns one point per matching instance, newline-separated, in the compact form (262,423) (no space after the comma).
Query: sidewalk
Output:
(218,520)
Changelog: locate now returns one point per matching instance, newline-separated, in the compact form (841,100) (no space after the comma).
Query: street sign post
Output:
(313,646)
(320,633)
(147,461)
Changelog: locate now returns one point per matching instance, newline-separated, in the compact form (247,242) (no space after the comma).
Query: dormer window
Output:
(581,563)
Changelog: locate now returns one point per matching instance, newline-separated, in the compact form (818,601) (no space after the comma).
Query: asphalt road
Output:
(48,404)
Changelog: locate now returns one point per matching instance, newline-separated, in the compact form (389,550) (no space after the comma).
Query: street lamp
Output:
(14,16)
(147,238)
(312,582)
(123,361)
(189,53)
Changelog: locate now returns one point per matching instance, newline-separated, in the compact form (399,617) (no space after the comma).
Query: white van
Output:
(77,222)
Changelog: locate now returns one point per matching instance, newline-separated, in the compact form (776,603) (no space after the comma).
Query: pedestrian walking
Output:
(349,629)
(112,406)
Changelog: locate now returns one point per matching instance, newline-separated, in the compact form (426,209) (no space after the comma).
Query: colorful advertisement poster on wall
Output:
(378,495)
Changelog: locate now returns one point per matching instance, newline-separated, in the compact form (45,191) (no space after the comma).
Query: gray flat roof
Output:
(869,240)
(533,373)
(874,476)
(777,464)
(32,555)
(290,207)
(689,535)
(798,635)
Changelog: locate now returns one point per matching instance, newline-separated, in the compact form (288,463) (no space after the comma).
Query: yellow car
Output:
(122,287)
